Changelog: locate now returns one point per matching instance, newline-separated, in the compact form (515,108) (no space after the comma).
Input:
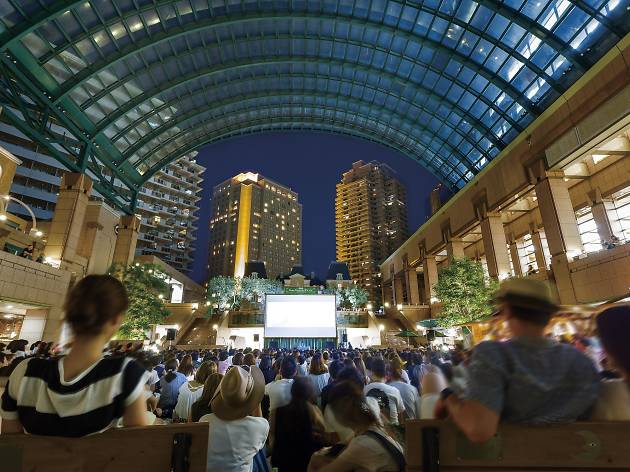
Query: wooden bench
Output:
(176,447)
(433,446)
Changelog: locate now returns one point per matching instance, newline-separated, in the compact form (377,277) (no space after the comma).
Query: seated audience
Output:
(345,434)
(187,367)
(371,449)
(318,374)
(333,370)
(169,386)
(237,430)
(192,390)
(249,359)
(613,325)
(83,392)
(224,363)
(298,429)
(203,406)
(433,383)
(267,369)
(279,391)
(409,393)
(360,366)
(238,358)
(528,379)
(388,397)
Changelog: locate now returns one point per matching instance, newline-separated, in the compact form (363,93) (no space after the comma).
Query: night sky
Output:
(311,164)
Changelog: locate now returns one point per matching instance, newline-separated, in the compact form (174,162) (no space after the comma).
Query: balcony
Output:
(352,319)
(246,320)
(602,275)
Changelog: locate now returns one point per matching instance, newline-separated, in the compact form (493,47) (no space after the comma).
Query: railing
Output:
(246,319)
(352,320)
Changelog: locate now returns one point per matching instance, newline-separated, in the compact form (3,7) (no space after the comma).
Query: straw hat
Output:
(239,393)
(527,293)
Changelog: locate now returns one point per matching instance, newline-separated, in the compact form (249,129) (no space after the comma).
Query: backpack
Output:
(382,399)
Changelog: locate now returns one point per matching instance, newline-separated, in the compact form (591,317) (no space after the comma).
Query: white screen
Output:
(300,316)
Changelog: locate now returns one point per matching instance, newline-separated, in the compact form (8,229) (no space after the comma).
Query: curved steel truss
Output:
(120,88)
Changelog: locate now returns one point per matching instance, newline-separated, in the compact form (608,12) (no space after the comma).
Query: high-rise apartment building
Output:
(166,204)
(254,219)
(370,221)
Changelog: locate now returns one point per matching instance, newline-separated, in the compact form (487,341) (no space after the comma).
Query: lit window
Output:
(588,230)
(619,214)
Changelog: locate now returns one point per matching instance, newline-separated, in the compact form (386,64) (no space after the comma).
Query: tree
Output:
(351,296)
(464,291)
(222,291)
(255,289)
(146,287)
(356,296)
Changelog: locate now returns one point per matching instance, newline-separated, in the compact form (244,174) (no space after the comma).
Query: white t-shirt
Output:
(405,376)
(613,403)
(410,397)
(187,396)
(153,378)
(319,382)
(279,393)
(396,404)
(232,445)
(427,406)
(368,455)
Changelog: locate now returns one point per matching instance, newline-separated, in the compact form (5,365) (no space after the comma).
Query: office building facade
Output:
(166,204)
(370,221)
(254,219)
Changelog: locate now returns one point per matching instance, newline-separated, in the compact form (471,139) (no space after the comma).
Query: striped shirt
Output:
(38,396)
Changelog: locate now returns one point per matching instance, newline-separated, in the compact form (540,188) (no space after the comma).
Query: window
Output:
(588,230)
(527,253)
(620,214)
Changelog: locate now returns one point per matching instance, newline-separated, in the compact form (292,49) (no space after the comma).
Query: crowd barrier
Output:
(438,446)
(176,448)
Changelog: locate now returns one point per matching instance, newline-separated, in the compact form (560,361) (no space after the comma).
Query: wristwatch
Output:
(447,392)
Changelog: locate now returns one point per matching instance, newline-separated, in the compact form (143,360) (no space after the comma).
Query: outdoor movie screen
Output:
(300,316)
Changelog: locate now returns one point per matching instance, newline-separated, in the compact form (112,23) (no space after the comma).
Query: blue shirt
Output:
(170,390)
(531,380)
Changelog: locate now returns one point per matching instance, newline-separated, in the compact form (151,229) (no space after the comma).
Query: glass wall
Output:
(588,230)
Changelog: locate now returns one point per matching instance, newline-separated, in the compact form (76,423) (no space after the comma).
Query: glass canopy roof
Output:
(448,83)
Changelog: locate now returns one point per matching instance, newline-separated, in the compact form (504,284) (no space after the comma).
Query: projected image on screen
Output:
(300,316)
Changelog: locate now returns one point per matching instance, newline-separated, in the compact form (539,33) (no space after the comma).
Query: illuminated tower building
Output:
(254,219)
(370,220)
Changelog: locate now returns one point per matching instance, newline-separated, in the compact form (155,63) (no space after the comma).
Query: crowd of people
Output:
(314,410)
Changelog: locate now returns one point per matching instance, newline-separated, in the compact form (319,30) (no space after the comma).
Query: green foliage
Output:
(352,296)
(145,284)
(222,292)
(227,293)
(255,289)
(464,291)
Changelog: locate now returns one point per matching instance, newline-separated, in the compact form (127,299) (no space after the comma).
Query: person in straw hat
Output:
(237,429)
(528,379)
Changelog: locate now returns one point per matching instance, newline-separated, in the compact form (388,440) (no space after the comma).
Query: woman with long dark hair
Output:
(187,367)
(297,429)
(203,406)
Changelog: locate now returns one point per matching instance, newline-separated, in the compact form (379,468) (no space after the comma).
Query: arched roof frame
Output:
(159,39)
(341,104)
(179,118)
